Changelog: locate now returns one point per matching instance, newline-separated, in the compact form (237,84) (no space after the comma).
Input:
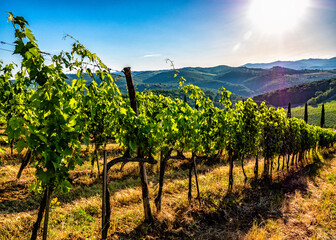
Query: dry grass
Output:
(308,213)
(300,205)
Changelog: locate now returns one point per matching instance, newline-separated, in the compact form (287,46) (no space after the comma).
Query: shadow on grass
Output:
(231,216)
(129,179)
(11,159)
(15,198)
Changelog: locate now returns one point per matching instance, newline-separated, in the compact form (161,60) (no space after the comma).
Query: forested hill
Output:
(314,92)
(247,82)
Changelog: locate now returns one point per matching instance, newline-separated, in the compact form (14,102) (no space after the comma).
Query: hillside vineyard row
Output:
(52,119)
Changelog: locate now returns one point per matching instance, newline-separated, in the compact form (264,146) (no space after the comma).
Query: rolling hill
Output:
(313,93)
(239,80)
(242,81)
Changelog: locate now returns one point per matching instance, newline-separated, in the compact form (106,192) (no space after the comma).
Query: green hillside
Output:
(314,113)
(313,93)
(239,80)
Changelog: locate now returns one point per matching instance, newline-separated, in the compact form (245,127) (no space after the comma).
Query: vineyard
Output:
(57,130)
(315,113)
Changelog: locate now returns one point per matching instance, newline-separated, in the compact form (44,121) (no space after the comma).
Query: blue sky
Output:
(142,34)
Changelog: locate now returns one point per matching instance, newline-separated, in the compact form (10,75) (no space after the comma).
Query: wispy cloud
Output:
(236,47)
(247,35)
(151,55)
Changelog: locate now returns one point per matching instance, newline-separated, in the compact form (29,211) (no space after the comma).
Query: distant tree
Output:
(289,114)
(306,113)
(322,117)
(312,101)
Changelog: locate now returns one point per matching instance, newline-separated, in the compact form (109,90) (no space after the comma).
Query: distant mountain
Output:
(310,64)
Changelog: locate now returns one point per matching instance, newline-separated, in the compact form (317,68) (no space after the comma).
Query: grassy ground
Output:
(300,204)
(314,114)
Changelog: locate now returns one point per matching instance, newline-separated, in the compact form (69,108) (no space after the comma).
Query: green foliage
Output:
(53,119)
(315,114)
(48,122)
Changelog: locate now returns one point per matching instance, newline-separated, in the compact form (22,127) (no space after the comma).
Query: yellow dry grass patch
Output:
(306,215)
(77,215)
(14,226)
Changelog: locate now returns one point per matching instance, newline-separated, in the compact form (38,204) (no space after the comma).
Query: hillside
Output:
(311,63)
(239,80)
(314,114)
(313,92)
(298,205)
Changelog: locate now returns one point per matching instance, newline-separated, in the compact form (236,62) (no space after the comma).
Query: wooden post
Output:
(104,226)
(190,182)
(46,213)
(196,178)
(157,201)
(143,173)
(256,167)
(230,173)
(39,215)
(131,89)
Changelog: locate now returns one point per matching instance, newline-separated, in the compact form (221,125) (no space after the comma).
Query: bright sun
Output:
(277,16)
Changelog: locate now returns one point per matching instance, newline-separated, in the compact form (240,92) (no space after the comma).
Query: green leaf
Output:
(43,138)
(65,186)
(45,115)
(29,35)
(10,16)
(20,145)
(56,165)
(72,102)
(72,122)
(86,139)
(14,123)
(34,51)
(132,145)
(67,152)
(123,111)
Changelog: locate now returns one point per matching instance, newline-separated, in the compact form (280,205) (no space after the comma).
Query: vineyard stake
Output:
(46,212)
(104,228)
(143,174)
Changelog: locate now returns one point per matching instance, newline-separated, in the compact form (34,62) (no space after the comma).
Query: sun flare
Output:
(277,16)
